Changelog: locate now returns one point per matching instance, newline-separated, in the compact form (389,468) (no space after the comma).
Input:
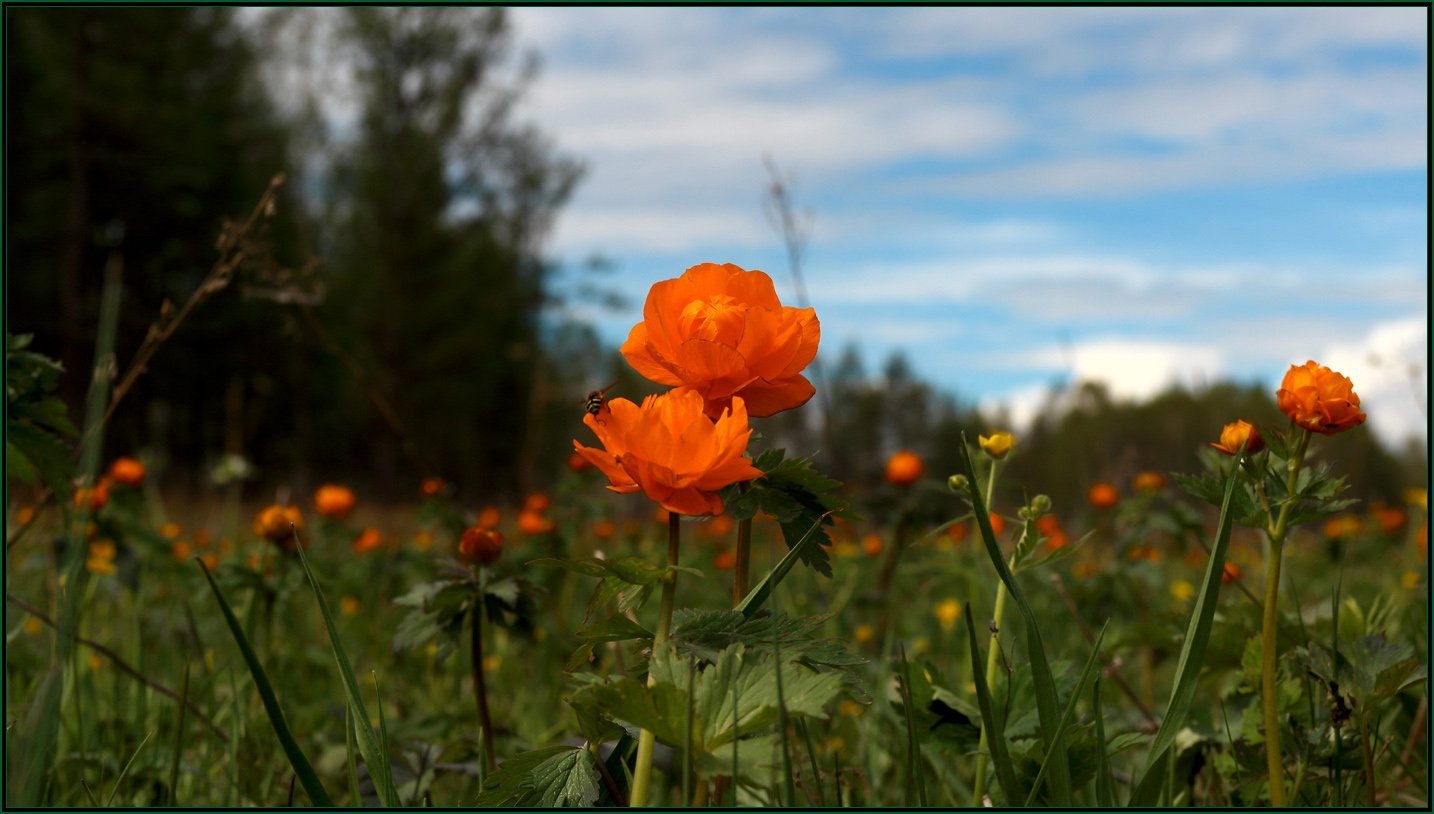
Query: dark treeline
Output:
(404,322)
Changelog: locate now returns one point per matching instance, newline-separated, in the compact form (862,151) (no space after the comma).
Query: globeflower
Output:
(1319,399)
(721,331)
(904,468)
(368,540)
(997,444)
(334,501)
(1236,433)
(1102,496)
(480,545)
(432,486)
(127,472)
(669,450)
(273,522)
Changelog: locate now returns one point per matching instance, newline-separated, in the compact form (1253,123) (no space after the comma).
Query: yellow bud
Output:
(997,444)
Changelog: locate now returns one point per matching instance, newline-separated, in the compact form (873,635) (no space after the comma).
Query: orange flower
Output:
(1343,525)
(1390,519)
(534,523)
(998,523)
(272,523)
(578,463)
(1148,482)
(181,550)
(604,529)
(368,540)
(1048,525)
(721,331)
(1239,432)
(537,502)
(1102,496)
(1319,399)
(94,498)
(670,451)
(1232,572)
(725,560)
(431,487)
(423,540)
(872,545)
(127,472)
(489,518)
(480,545)
(334,501)
(957,532)
(904,467)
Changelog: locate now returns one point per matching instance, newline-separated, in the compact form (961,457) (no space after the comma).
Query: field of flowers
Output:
(692,618)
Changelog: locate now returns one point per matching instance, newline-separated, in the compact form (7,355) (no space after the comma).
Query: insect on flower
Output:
(594,404)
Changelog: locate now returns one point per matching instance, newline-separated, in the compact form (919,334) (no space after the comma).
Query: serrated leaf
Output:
(616,628)
(634,570)
(504,786)
(587,566)
(43,452)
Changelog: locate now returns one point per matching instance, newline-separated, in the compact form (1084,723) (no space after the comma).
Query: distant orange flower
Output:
(957,532)
(127,472)
(171,531)
(1148,482)
(667,449)
(1232,572)
(578,463)
(1390,519)
(537,502)
(93,498)
(1048,524)
(1319,399)
(998,523)
(604,529)
(1236,433)
(725,560)
(1102,496)
(904,467)
(872,545)
(1342,525)
(203,538)
(489,518)
(480,545)
(25,515)
(431,487)
(272,523)
(181,550)
(534,523)
(368,540)
(423,540)
(334,501)
(722,331)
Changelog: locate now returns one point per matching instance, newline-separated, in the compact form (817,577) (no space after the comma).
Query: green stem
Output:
(742,566)
(1274,760)
(480,688)
(992,659)
(646,739)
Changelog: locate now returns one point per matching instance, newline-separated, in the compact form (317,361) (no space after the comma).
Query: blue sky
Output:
(1021,196)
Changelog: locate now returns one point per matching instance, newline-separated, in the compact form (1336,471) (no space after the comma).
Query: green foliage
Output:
(35,419)
(707,633)
(798,496)
(557,776)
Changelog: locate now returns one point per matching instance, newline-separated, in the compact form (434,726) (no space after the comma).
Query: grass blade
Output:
(1104,782)
(349,756)
(118,780)
(179,736)
(383,742)
(759,594)
(1070,712)
(995,724)
(812,759)
(1047,703)
(302,769)
(914,776)
(1334,648)
(787,784)
(368,742)
(1192,654)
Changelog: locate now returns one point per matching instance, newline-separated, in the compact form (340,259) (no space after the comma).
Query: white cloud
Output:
(1390,371)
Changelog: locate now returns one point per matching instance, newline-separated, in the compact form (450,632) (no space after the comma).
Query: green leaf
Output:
(616,628)
(510,783)
(587,566)
(706,633)
(758,595)
(798,496)
(1104,781)
(1047,704)
(991,716)
(1069,712)
(302,768)
(41,452)
(1192,653)
(374,755)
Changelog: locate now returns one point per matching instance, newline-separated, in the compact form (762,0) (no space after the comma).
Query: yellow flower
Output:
(920,646)
(170,531)
(102,557)
(1410,580)
(1181,590)
(34,626)
(997,444)
(96,661)
(864,633)
(850,708)
(349,606)
(491,663)
(947,613)
(1415,496)
(846,549)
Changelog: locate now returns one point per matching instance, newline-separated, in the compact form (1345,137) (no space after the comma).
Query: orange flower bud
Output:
(998,523)
(432,487)
(1148,482)
(181,550)
(904,468)
(1237,433)
(1389,519)
(604,529)
(334,501)
(94,498)
(721,331)
(273,524)
(489,518)
(957,532)
(127,472)
(481,546)
(719,526)
(725,560)
(534,523)
(872,545)
(1319,399)
(1102,496)
(368,540)
(537,502)
(1232,572)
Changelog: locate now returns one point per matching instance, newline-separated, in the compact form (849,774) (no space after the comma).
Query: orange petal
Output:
(717,370)
(768,398)
(645,358)
(609,466)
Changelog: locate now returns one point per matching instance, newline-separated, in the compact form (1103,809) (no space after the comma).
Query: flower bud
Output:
(958,484)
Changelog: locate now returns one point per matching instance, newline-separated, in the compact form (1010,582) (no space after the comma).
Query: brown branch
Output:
(1110,666)
(121,664)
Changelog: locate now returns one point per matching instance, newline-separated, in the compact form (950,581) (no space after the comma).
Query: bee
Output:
(594,404)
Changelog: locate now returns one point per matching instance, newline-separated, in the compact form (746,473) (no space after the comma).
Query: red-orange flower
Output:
(94,498)
(872,545)
(1231,573)
(668,449)
(480,545)
(531,522)
(1236,433)
(604,529)
(537,502)
(368,540)
(725,560)
(998,523)
(722,331)
(904,467)
(1102,496)
(489,518)
(1148,482)
(331,500)
(431,487)
(272,523)
(127,472)
(1319,399)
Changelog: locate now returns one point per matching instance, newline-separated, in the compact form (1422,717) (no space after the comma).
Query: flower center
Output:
(719,318)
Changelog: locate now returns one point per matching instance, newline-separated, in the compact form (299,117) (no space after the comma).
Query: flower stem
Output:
(1274,760)
(646,739)
(993,661)
(742,566)
(480,687)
